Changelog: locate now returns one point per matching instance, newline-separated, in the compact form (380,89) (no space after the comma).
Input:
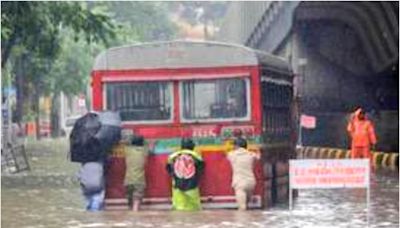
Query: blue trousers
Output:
(94,201)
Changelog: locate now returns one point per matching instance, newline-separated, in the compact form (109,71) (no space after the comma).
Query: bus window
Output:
(215,99)
(140,101)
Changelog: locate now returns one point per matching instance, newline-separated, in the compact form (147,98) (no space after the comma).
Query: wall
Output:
(331,59)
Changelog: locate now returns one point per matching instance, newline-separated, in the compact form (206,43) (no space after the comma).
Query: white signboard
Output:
(329,173)
(81,102)
(309,122)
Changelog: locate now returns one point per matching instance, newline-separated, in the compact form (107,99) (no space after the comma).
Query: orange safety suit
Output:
(362,135)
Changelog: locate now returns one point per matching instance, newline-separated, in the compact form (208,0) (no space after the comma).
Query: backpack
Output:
(184,166)
(185,170)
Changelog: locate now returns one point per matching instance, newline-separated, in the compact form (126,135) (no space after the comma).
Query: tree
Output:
(36,25)
(69,74)
(45,44)
(137,22)
(31,33)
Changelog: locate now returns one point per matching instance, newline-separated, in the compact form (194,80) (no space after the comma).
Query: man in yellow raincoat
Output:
(185,167)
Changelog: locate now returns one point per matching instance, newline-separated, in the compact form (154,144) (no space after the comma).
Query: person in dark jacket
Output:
(92,137)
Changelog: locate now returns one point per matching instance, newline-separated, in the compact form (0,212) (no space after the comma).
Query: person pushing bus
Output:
(185,167)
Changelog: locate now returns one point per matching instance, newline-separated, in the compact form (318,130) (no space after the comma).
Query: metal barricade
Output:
(13,158)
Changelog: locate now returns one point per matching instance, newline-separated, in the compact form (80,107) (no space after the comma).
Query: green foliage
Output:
(34,28)
(29,116)
(52,45)
(71,70)
(37,25)
(49,33)
(5,76)
(32,43)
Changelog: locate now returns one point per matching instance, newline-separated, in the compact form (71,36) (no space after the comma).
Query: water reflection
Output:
(41,207)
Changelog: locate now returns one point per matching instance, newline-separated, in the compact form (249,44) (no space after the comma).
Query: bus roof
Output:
(185,54)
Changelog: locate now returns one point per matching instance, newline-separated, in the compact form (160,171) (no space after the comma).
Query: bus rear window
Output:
(215,99)
(140,101)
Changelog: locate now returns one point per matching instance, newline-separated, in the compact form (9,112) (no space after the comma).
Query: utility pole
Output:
(302,65)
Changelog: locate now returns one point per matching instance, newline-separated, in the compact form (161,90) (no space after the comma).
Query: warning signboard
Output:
(329,173)
(308,121)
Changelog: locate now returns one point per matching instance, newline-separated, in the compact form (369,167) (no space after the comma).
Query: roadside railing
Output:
(386,160)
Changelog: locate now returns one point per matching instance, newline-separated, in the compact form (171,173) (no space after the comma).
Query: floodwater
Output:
(56,207)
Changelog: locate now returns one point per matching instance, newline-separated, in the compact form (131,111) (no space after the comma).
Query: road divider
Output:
(385,160)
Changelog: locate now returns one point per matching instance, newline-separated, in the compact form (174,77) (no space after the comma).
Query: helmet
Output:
(240,142)
(187,143)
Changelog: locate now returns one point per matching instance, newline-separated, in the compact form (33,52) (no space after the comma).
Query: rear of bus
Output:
(169,90)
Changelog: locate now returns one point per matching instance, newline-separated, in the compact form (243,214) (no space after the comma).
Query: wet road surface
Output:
(62,207)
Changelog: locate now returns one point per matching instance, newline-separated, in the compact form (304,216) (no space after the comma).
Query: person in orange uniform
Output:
(362,135)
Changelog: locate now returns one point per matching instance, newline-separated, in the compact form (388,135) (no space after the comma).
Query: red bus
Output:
(205,90)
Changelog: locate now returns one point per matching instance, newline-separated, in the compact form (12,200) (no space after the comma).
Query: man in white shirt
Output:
(243,179)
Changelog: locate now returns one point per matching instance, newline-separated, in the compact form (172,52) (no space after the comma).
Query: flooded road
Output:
(61,207)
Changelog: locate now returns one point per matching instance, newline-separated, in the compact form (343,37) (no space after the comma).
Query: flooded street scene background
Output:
(63,207)
(199,102)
